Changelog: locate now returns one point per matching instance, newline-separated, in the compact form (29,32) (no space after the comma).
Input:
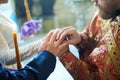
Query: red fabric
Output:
(96,62)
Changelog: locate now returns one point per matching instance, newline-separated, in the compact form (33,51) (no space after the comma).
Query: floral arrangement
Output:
(30,28)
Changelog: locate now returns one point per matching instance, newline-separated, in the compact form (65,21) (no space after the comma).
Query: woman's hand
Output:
(69,34)
(51,44)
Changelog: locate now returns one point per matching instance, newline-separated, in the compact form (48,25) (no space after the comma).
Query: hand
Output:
(52,45)
(69,34)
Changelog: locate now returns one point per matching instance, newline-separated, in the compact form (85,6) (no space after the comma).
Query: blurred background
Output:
(51,13)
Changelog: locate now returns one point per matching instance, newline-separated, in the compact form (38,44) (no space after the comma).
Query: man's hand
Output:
(70,35)
(51,44)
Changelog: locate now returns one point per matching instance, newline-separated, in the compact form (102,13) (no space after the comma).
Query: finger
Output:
(48,36)
(58,42)
(61,31)
(54,35)
(64,44)
(63,47)
(84,36)
(66,34)
(46,39)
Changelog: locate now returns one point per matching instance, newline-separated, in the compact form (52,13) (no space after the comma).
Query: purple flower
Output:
(29,28)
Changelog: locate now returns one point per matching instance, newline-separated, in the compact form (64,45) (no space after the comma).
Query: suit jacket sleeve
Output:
(38,69)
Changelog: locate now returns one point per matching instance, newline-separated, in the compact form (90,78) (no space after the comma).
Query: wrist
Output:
(83,40)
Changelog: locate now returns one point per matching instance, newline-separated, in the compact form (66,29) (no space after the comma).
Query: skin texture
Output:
(52,45)
(107,8)
(68,34)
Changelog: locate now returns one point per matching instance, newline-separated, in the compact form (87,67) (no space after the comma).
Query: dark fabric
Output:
(47,8)
(38,69)
(46,5)
(20,8)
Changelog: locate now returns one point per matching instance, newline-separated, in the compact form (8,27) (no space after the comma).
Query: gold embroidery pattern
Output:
(114,51)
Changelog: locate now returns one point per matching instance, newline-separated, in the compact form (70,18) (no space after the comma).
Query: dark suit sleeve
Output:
(38,69)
